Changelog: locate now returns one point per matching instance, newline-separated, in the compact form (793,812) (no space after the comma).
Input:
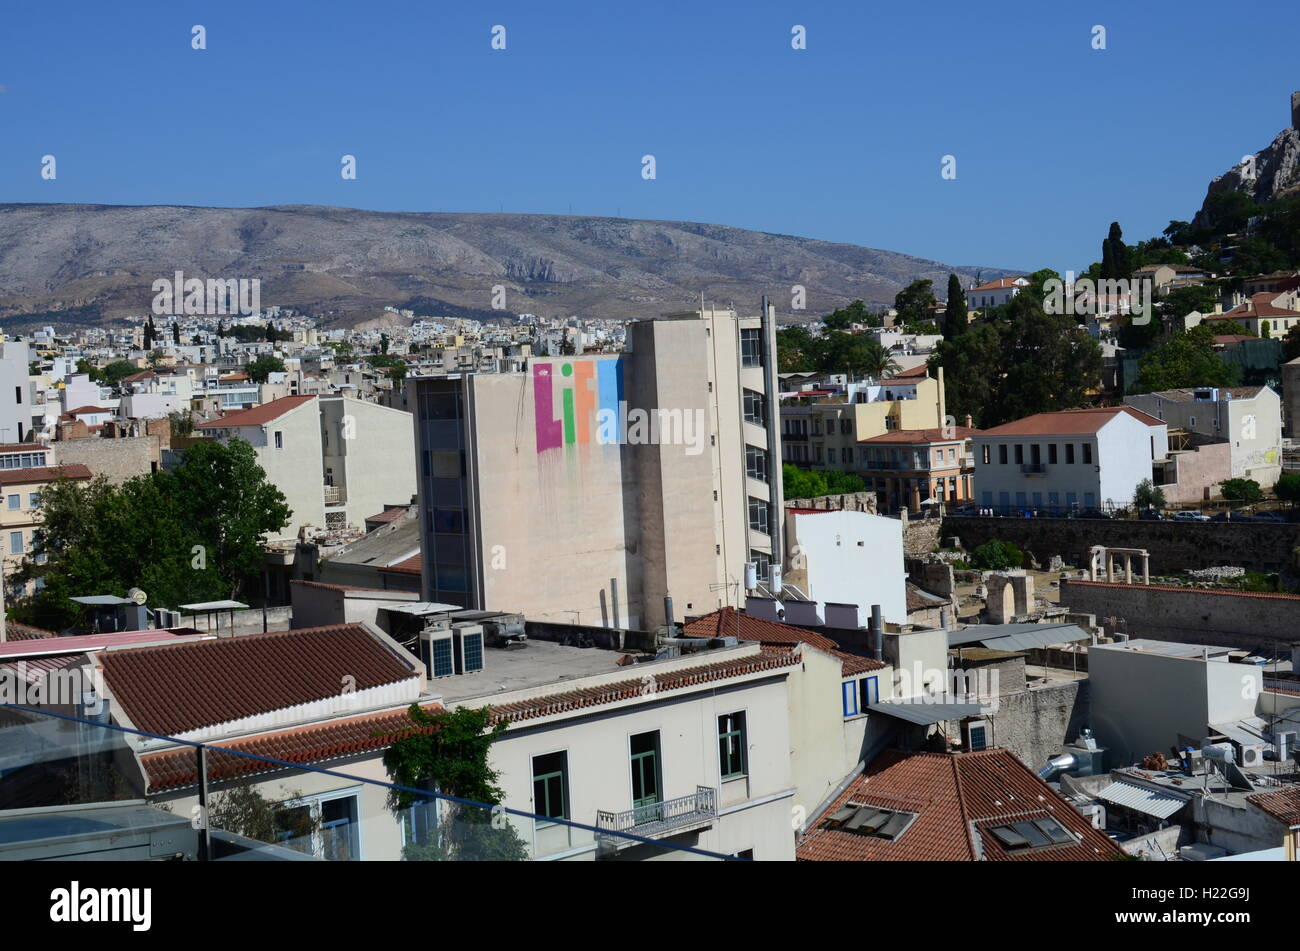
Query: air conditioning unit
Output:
(437,652)
(1252,755)
(468,650)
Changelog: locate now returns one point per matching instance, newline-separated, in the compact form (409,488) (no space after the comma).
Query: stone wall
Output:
(920,535)
(1035,723)
(1243,620)
(119,459)
(1174,546)
(848,501)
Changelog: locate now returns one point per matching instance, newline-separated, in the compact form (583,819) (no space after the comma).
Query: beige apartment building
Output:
(822,428)
(25,471)
(594,488)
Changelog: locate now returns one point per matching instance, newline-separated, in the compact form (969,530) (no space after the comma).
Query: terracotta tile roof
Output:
(662,682)
(1197,591)
(1283,805)
(1259,305)
(919,599)
(23,447)
(409,566)
(87,410)
(390,514)
(258,415)
(1001,284)
(918,371)
(25,632)
(176,768)
(43,474)
(771,634)
(916,437)
(1232,338)
(1069,422)
(138,377)
(175,688)
(956,798)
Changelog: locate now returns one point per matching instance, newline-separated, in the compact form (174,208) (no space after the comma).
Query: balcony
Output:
(1034,468)
(334,495)
(659,819)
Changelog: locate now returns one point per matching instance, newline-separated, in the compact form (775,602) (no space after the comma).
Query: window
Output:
(985,454)
(845,426)
(279,439)
(758,515)
(1031,834)
(34,500)
(15,502)
(337,836)
(1020,454)
(1002,454)
(1069,453)
(1087,453)
(15,543)
(871,820)
(978,734)
(755,411)
(732,745)
(850,698)
(751,348)
(551,785)
(1051,453)
(869,692)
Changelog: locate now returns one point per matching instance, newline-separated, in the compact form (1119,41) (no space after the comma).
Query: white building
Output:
(850,558)
(337,461)
(1070,460)
(1248,417)
(994,293)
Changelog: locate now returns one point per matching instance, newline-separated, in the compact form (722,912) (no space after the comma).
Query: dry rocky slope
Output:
(100,261)
(1274,173)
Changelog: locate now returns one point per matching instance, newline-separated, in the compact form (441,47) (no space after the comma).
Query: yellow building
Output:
(25,470)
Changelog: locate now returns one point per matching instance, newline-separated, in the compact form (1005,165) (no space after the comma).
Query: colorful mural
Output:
(571,396)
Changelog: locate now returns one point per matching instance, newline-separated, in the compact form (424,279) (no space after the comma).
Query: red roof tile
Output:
(176,768)
(25,632)
(650,683)
(347,587)
(43,474)
(1283,805)
(409,566)
(258,415)
(389,515)
(176,688)
(1069,422)
(956,798)
(723,623)
(917,437)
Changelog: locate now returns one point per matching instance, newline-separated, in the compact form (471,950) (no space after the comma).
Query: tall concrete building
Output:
(590,489)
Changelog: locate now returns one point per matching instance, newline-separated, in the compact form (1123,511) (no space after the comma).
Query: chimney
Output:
(877,631)
(970,423)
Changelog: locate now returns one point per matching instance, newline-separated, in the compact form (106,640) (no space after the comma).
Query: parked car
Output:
(966,511)
(1095,513)
(1268,517)
(1151,515)
(1190,516)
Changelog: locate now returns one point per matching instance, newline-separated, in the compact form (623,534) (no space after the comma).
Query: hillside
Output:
(91,262)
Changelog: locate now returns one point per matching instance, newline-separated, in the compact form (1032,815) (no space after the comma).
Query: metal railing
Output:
(660,818)
(333,495)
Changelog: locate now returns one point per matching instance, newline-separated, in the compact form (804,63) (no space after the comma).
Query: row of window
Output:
(858,695)
(1035,500)
(22,460)
(14,501)
(551,770)
(796,426)
(1035,455)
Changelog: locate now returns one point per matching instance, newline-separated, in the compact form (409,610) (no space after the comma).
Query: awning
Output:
(214,606)
(1159,804)
(1015,637)
(927,711)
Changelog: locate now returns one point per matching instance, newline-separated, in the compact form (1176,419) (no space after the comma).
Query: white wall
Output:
(850,558)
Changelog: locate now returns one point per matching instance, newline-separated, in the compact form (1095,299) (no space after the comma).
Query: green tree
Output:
(1242,491)
(447,753)
(1187,359)
(1148,496)
(857,355)
(244,811)
(855,313)
(996,555)
(913,302)
(176,333)
(1115,259)
(260,370)
(799,483)
(1291,344)
(797,351)
(955,314)
(116,371)
(194,533)
(148,333)
(1288,487)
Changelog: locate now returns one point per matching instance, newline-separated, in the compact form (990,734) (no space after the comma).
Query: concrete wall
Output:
(371,450)
(1190,615)
(849,558)
(1253,428)
(1174,546)
(295,468)
(1198,473)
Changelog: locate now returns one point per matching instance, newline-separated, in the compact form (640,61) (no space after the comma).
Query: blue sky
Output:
(841,141)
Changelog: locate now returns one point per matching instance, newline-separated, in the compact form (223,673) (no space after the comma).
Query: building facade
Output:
(914,468)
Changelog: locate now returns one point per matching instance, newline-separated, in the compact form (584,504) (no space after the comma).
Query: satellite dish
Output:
(138,596)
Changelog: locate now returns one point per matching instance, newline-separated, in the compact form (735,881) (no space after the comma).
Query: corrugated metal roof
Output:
(925,712)
(1159,804)
(1016,637)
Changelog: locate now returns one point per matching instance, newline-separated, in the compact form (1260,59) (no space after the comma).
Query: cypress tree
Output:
(955,314)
